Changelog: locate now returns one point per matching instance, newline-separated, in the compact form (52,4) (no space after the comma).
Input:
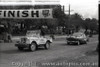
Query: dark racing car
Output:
(77,38)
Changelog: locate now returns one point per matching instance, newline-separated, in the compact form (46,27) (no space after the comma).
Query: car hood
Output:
(72,38)
(29,37)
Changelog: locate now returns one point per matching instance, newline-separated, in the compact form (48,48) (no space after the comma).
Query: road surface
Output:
(10,56)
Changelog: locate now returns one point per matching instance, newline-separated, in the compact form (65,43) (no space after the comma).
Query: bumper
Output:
(22,45)
(72,41)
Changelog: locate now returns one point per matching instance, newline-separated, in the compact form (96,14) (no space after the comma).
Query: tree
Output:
(94,25)
(86,24)
(62,18)
(76,20)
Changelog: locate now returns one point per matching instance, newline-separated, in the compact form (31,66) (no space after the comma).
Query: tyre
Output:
(78,43)
(68,43)
(32,47)
(47,45)
(85,42)
(20,48)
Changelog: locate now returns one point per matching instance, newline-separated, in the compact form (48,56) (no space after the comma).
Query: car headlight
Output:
(27,40)
(78,37)
(23,40)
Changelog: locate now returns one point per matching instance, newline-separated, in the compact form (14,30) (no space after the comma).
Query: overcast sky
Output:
(87,8)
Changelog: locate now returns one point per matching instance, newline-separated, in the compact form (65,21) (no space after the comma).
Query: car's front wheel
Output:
(32,47)
(47,45)
(68,43)
(85,42)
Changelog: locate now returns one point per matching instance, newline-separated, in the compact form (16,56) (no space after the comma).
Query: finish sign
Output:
(27,14)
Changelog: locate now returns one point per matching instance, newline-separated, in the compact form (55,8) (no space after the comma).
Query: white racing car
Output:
(33,40)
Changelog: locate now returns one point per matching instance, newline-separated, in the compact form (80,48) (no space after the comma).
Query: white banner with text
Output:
(27,14)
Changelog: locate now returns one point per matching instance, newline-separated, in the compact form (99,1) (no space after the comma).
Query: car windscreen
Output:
(32,34)
(77,34)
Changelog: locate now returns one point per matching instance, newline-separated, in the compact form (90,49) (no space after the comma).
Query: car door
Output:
(42,40)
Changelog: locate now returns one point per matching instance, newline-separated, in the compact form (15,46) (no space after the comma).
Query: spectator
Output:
(42,32)
(9,38)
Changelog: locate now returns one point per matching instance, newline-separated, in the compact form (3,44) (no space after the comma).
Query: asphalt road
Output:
(10,56)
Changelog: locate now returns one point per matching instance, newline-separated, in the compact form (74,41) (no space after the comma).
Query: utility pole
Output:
(69,11)
(69,19)
(63,8)
(68,15)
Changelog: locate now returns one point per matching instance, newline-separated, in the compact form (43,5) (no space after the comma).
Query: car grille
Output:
(23,40)
(72,39)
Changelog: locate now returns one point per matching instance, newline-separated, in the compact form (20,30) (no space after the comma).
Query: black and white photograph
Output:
(49,33)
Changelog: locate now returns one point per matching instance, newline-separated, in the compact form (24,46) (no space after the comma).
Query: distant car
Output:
(77,38)
(33,40)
